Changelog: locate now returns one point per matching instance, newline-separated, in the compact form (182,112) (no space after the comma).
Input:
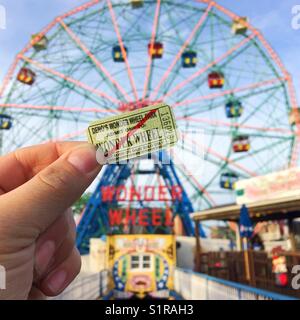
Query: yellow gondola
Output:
(240,25)
(135,4)
(294,117)
(39,42)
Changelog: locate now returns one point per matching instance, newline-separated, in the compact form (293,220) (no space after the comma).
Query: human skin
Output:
(38,185)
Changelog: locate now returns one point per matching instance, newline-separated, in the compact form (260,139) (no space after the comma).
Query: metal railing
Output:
(232,266)
(87,286)
(196,286)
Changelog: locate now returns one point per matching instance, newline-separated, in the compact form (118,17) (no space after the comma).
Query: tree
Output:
(80,204)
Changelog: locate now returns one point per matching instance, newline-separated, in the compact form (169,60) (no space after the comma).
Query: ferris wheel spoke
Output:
(260,106)
(229,92)
(70,79)
(67,136)
(176,70)
(153,37)
(179,54)
(272,53)
(207,67)
(124,54)
(269,161)
(80,8)
(217,123)
(219,133)
(220,156)
(270,146)
(96,62)
(12,68)
(27,132)
(56,108)
(229,161)
(14,65)
(9,76)
(220,168)
(77,71)
(189,176)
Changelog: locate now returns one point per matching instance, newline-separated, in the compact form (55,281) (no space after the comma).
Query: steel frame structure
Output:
(76,83)
(94,222)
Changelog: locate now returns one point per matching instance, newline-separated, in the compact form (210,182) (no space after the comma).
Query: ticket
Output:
(134,134)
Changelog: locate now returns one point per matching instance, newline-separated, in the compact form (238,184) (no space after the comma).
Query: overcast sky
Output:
(272,17)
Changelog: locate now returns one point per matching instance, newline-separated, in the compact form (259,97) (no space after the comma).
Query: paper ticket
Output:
(134,134)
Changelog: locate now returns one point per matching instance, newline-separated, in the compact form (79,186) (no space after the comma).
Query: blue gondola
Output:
(234,109)
(5,122)
(189,59)
(117,54)
(228,180)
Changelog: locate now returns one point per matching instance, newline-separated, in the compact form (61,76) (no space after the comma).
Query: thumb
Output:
(38,203)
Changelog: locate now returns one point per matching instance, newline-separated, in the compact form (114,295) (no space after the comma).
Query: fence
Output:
(195,286)
(231,266)
(87,286)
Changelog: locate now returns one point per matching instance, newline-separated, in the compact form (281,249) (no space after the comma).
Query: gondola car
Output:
(294,117)
(5,122)
(189,59)
(156,50)
(234,109)
(118,54)
(216,80)
(39,42)
(135,4)
(240,25)
(241,144)
(228,180)
(26,76)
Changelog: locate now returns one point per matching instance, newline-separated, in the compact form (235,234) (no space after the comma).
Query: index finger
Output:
(18,167)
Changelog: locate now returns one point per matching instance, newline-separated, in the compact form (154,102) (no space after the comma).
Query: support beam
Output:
(292,234)
(197,258)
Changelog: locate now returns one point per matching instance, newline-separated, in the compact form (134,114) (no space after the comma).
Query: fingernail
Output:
(57,281)
(84,159)
(44,256)
(101,158)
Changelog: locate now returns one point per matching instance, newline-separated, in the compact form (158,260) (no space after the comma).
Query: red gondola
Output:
(216,80)
(156,50)
(241,144)
(26,76)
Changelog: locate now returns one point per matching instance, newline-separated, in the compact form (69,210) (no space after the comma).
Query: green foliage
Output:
(81,203)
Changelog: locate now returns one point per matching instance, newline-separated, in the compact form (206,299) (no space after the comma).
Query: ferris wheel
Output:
(219,74)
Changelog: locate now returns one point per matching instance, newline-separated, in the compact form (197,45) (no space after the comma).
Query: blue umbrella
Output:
(246,226)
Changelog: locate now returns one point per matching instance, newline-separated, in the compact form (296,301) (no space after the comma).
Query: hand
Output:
(37,230)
